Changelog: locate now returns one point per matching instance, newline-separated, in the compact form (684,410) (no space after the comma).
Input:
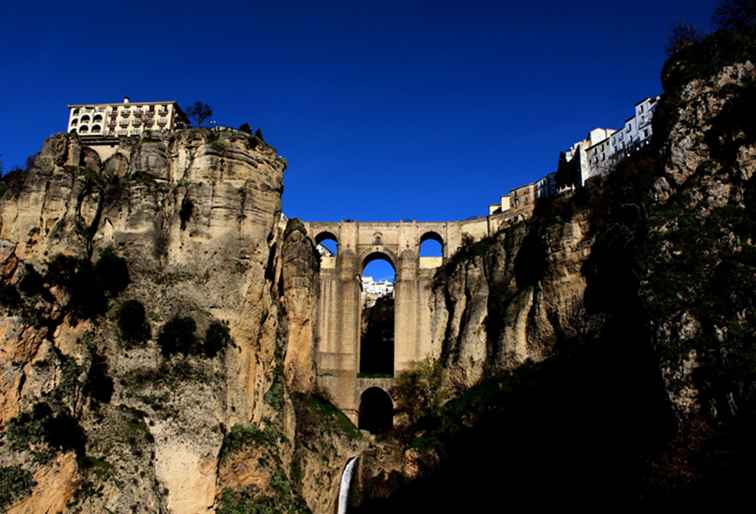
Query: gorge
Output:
(169,342)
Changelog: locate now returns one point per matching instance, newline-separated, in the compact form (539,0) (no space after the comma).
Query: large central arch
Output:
(377,326)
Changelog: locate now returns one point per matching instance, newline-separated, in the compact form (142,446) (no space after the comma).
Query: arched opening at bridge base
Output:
(377,323)
(376,411)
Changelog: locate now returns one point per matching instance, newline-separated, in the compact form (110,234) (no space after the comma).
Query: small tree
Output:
(246,128)
(178,336)
(199,112)
(186,211)
(132,322)
(217,338)
(683,36)
(735,14)
(420,392)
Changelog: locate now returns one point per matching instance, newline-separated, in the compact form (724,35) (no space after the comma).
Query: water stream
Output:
(346,480)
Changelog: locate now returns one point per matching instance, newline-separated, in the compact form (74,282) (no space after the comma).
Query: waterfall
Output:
(346,480)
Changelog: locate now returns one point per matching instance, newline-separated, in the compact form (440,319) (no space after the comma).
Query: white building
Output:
(373,289)
(547,186)
(602,149)
(597,154)
(112,120)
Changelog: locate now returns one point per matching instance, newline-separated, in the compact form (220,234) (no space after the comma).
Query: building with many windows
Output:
(113,120)
(598,157)
(373,289)
(595,155)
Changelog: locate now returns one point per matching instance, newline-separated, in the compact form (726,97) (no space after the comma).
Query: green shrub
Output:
(89,286)
(9,296)
(275,395)
(246,501)
(132,322)
(112,273)
(178,336)
(43,432)
(12,182)
(15,483)
(99,385)
(243,436)
(419,392)
(217,338)
(186,211)
(32,282)
(316,414)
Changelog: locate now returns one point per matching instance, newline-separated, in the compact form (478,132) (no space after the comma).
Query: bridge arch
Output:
(431,244)
(329,241)
(377,253)
(376,413)
(377,319)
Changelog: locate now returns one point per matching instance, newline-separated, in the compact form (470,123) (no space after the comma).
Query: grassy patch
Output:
(15,483)
(316,414)
(243,436)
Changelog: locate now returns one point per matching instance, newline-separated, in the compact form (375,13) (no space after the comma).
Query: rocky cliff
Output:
(614,330)
(157,316)
(158,338)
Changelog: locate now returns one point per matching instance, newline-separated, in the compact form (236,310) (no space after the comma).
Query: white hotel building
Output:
(113,120)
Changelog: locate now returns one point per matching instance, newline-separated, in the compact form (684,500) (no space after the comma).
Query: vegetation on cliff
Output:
(649,391)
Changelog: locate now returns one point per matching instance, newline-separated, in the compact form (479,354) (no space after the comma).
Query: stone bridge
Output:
(338,329)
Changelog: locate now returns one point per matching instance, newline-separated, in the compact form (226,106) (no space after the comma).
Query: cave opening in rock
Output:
(377,319)
(376,411)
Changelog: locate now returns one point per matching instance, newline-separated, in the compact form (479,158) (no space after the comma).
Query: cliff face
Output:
(624,310)
(158,339)
(188,229)
(504,300)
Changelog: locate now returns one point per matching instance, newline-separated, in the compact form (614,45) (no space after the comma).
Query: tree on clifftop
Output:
(735,14)
(683,35)
(199,112)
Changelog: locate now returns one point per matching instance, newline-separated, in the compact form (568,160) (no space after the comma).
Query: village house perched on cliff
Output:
(595,155)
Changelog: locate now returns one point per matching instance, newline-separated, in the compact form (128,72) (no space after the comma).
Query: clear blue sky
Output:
(384,110)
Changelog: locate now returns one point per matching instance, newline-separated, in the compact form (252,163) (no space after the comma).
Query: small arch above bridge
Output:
(329,242)
(431,244)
